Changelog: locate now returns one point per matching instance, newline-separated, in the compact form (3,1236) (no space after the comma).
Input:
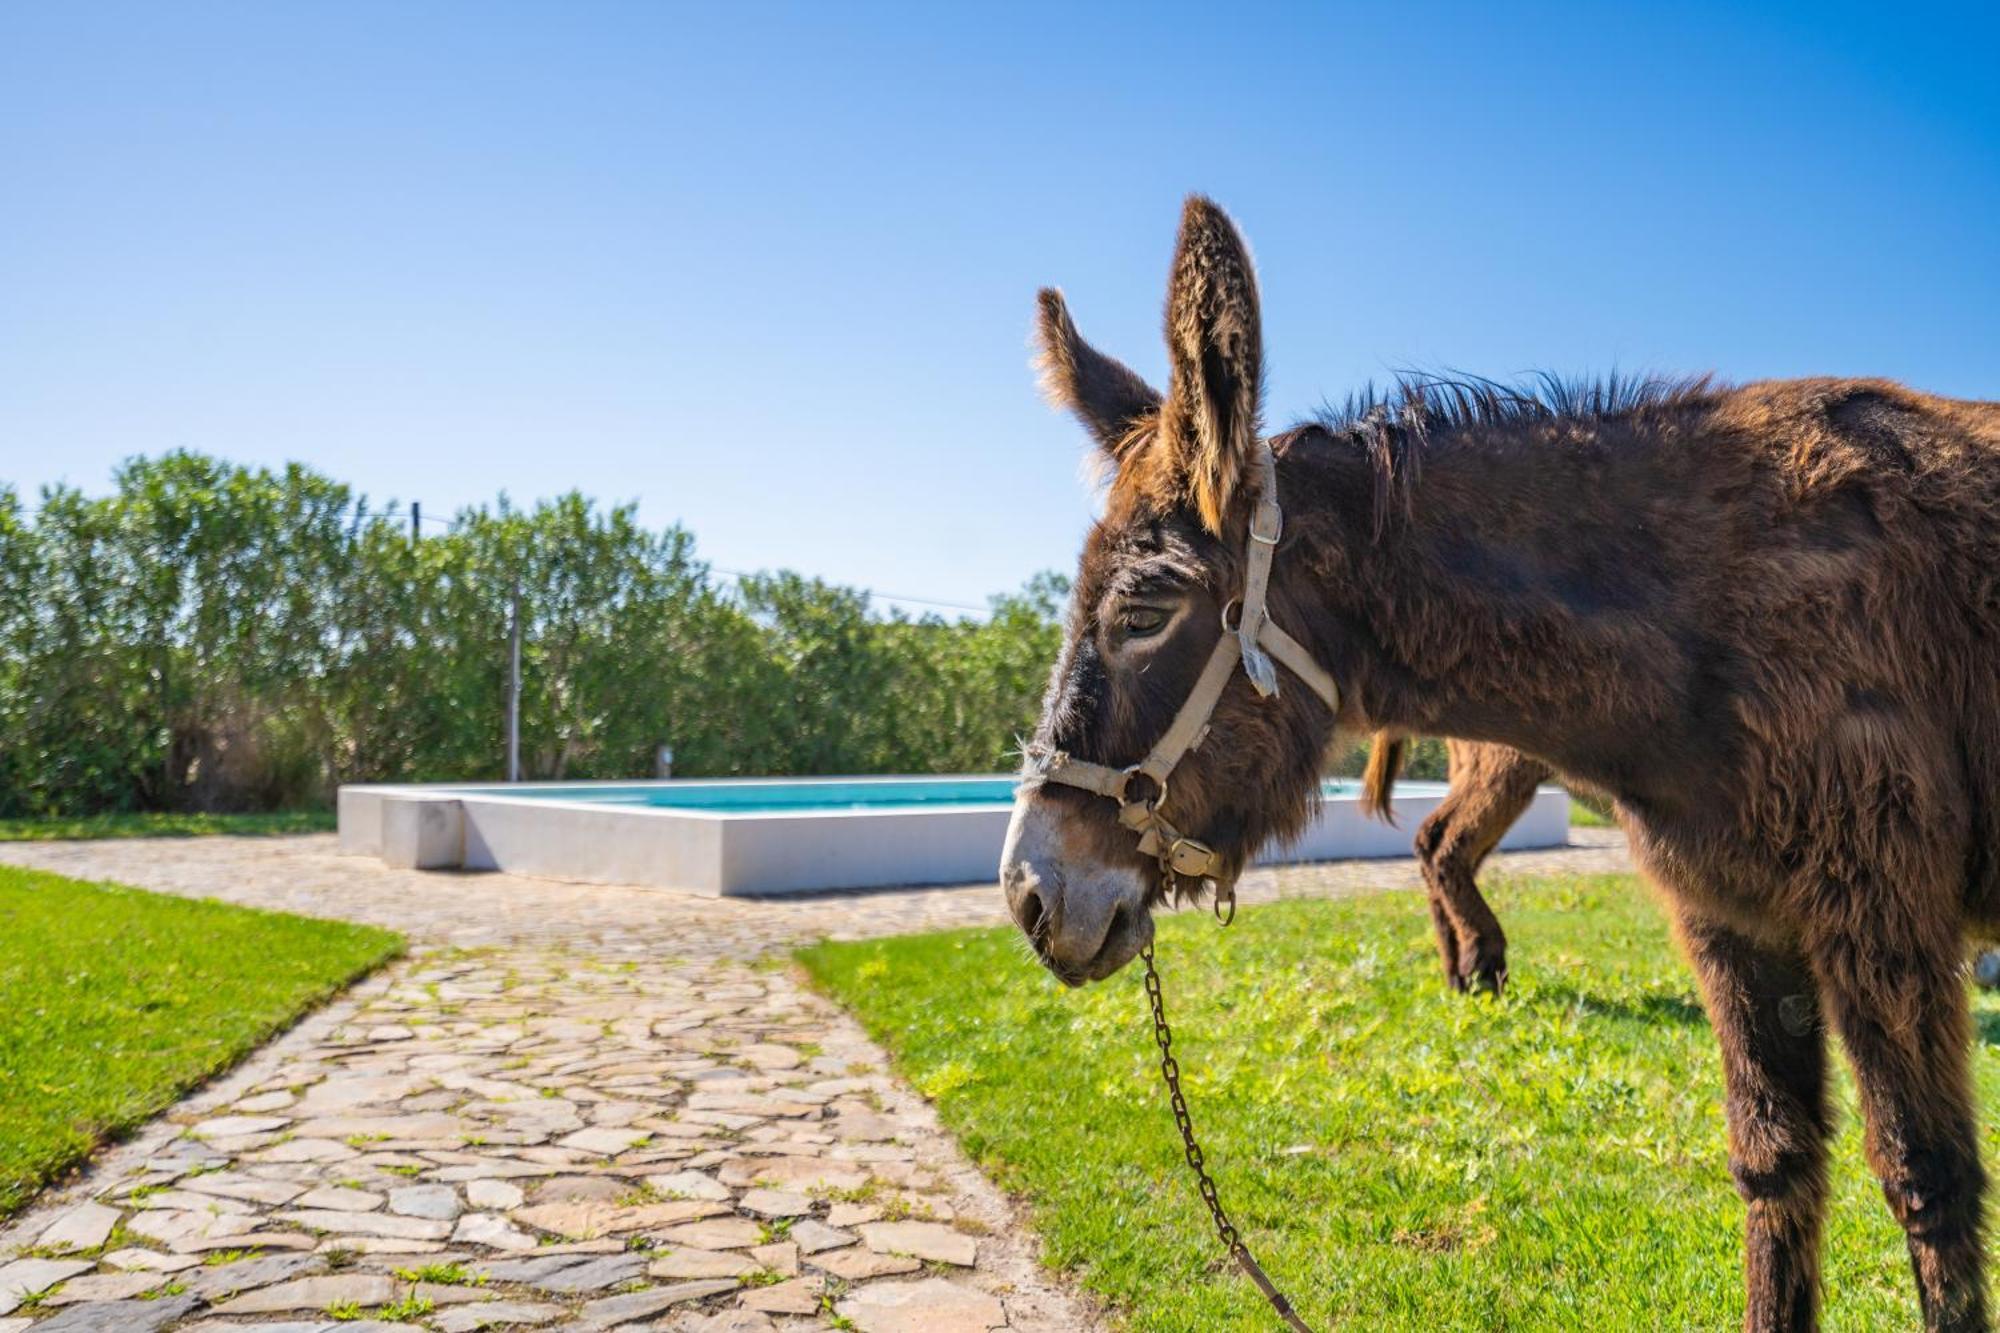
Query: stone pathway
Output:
(591,1107)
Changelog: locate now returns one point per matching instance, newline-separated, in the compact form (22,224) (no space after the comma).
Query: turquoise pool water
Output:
(802,797)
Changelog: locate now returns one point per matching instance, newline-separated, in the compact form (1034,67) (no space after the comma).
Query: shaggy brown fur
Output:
(1763,619)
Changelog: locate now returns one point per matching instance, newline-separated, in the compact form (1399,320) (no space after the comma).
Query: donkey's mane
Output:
(1394,426)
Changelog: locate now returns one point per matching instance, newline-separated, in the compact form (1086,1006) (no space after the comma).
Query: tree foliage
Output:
(217,637)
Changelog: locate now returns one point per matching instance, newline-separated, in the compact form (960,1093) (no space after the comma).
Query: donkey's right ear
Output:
(1112,402)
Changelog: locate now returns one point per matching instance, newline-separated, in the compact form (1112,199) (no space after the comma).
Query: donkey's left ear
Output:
(1209,426)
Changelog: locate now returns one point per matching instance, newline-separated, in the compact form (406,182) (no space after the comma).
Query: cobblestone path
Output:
(577,1106)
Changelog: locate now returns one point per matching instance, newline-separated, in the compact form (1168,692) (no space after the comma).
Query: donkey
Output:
(1491,786)
(1762,619)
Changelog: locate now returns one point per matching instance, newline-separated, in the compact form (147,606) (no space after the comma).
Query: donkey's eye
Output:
(1139,621)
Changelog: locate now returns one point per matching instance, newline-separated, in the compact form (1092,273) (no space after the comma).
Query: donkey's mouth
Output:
(1130,931)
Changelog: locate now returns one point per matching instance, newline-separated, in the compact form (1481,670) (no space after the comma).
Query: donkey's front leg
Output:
(1897,995)
(1761,1003)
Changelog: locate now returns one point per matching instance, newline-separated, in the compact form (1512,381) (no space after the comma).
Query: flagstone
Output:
(775,1203)
(779,1257)
(593,1274)
(341,1199)
(488,1193)
(613,1311)
(603,1140)
(721,1233)
(801,1295)
(857,1264)
(924,1240)
(492,1230)
(130,1316)
(585,1219)
(439,1202)
(104,1287)
(496,1314)
(688,1185)
(231,1126)
(367,1224)
(725,1321)
(931,1306)
(171,1227)
(302,1150)
(249,1189)
(315,1293)
(852,1214)
(246,1240)
(84,1227)
(150,1261)
(220,1281)
(812,1236)
(807,1173)
(683,1262)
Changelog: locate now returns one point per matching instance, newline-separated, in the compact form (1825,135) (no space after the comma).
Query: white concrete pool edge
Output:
(482,826)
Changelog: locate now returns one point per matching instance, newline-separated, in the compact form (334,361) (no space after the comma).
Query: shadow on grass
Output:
(1675,1010)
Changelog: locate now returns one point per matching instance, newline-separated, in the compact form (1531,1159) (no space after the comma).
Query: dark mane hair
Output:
(1393,426)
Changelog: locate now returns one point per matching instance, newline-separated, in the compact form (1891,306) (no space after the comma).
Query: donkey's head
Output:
(1161,573)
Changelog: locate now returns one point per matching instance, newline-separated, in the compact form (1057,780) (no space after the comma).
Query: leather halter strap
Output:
(1252,642)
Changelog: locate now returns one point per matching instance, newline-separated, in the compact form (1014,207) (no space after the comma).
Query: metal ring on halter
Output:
(1236,602)
(1137,770)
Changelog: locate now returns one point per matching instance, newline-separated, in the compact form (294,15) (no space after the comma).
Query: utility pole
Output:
(416,518)
(514,693)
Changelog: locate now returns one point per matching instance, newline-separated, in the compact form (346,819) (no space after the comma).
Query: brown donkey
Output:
(1491,786)
(1762,619)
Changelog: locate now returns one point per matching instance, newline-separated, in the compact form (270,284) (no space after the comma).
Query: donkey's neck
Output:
(1526,586)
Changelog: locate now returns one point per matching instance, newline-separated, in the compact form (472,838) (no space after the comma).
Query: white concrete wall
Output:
(595,844)
(842,850)
(481,828)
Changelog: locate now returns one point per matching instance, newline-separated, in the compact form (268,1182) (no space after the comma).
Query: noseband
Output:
(1252,642)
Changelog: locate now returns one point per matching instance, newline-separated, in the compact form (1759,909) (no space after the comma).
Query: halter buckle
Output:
(1188,857)
(1267,524)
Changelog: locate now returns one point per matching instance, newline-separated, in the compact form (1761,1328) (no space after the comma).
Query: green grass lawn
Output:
(114,1002)
(1397,1157)
(1582,816)
(158,825)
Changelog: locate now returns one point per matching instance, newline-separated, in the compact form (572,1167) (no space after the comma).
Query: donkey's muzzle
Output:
(1085,920)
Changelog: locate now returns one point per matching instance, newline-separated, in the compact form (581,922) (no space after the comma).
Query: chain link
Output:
(1232,1240)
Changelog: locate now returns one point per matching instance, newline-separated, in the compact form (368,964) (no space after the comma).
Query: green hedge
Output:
(213,637)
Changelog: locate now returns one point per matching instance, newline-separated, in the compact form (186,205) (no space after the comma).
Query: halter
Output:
(1253,641)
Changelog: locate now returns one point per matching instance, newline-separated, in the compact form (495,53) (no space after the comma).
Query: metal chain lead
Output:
(1170,1070)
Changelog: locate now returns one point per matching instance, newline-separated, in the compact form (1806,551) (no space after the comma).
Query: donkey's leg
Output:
(1490,786)
(1762,1005)
(1897,997)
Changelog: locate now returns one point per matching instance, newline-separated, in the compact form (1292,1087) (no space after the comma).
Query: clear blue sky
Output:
(769,270)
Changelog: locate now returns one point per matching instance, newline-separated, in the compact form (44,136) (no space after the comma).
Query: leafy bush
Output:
(211,637)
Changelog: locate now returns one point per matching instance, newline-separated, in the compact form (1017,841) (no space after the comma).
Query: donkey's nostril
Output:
(1029,912)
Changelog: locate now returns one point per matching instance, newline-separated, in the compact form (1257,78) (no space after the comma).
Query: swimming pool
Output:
(748,836)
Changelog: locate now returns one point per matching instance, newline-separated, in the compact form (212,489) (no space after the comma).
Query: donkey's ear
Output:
(1110,400)
(1209,426)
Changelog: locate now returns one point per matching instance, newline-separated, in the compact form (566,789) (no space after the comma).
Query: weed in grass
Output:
(345,1311)
(409,1308)
(217,1258)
